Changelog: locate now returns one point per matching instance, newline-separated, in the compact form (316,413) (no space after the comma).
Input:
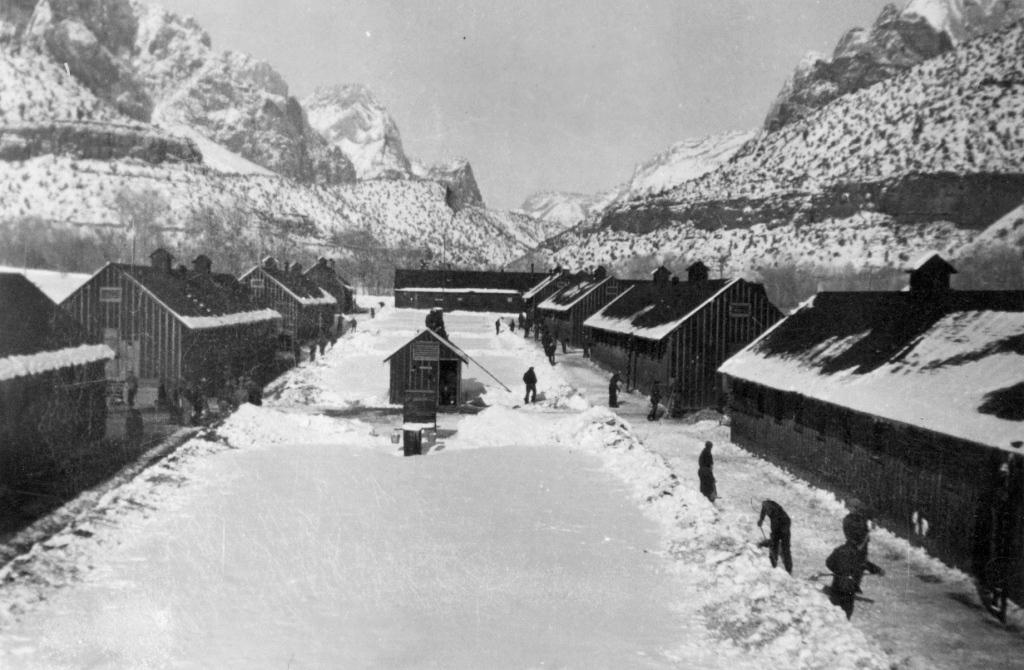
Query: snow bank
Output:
(48,361)
(252,426)
(742,599)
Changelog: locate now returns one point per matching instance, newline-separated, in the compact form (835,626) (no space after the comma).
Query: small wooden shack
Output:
(52,384)
(305,308)
(911,401)
(427,362)
(677,332)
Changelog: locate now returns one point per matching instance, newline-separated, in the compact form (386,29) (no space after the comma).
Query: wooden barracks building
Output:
(666,330)
(174,325)
(306,309)
(564,311)
(912,401)
(469,290)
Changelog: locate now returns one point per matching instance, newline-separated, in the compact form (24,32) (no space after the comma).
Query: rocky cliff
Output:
(155,66)
(897,41)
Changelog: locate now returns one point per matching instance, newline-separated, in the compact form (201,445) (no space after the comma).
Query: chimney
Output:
(202,264)
(269,263)
(660,277)
(697,272)
(161,259)
(930,274)
(322,262)
(600,273)
(296,268)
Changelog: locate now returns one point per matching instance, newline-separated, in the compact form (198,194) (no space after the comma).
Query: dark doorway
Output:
(448,389)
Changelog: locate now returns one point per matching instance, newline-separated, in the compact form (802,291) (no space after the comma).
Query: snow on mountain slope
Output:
(456,174)
(962,20)
(958,113)
(684,161)
(78,198)
(564,210)
(34,88)
(351,118)
(215,155)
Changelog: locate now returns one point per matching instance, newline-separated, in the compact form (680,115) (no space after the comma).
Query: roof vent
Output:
(660,276)
(161,259)
(202,264)
(600,273)
(930,273)
(269,263)
(697,272)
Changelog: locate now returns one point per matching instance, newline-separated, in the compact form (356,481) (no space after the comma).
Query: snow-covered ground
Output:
(553,535)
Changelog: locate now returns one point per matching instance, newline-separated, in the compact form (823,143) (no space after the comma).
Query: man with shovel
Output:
(778,541)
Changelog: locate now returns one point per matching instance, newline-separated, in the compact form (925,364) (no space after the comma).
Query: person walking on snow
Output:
(848,564)
(497,326)
(778,541)
(706,472)
(613,390)
(530,379)
(655,399)
(856,529)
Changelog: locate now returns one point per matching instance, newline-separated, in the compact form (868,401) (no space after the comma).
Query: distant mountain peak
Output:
(351,118)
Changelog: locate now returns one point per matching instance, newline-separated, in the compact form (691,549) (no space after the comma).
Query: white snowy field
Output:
(552,535)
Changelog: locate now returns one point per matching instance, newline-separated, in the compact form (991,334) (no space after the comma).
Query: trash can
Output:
(412,442)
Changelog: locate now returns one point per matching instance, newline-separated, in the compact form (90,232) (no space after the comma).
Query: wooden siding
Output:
(145,329)
(45,418)
(570,322)
(460,301)
(694,350)
(405,373)
(898,470)
(299,322)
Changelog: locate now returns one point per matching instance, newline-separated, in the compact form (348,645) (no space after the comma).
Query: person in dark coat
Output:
(655,400)
(856,530)
(511,325)
(847,564)
(322,343)
(312,351)
(497,326)
(131,386)
(990,542)
(133,427)
(549,350)
(778,541)
(527,324)
(706,472)
(613,390)
(530,379)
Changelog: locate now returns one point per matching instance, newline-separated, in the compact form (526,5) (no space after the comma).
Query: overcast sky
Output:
(563,95)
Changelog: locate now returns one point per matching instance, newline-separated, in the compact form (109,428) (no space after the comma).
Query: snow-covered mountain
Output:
(351,119)
(684,161)
(564,210)
(897,41)
(457,175)
(154,66)
(929,157)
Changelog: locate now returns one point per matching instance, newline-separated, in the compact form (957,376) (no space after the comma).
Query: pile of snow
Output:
(744,600)
(252,426)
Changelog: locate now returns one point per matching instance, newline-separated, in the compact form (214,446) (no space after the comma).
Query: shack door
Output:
(423,372)
(448,394)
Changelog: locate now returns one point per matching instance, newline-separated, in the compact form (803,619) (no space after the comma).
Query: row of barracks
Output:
(178,327)
(663,329)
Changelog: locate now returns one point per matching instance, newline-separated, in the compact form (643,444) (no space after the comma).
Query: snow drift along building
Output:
(52,385)
(671,331)
(174,325)
(911,401)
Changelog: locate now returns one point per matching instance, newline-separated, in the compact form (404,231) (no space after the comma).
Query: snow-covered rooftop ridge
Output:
(55,284)
(541,285)
(896,361)
(13,367)
(235,319)
(441,289)
(656,333)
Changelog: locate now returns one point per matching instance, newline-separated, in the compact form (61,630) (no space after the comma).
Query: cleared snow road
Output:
(313,556)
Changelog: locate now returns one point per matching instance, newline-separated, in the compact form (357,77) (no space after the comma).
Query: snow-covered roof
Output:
(235,319)
(303,289)
(651,312)
(56,285)
(563,300)
(950,363)
(445,343)
(47,361)
(438,289)
(541,285)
